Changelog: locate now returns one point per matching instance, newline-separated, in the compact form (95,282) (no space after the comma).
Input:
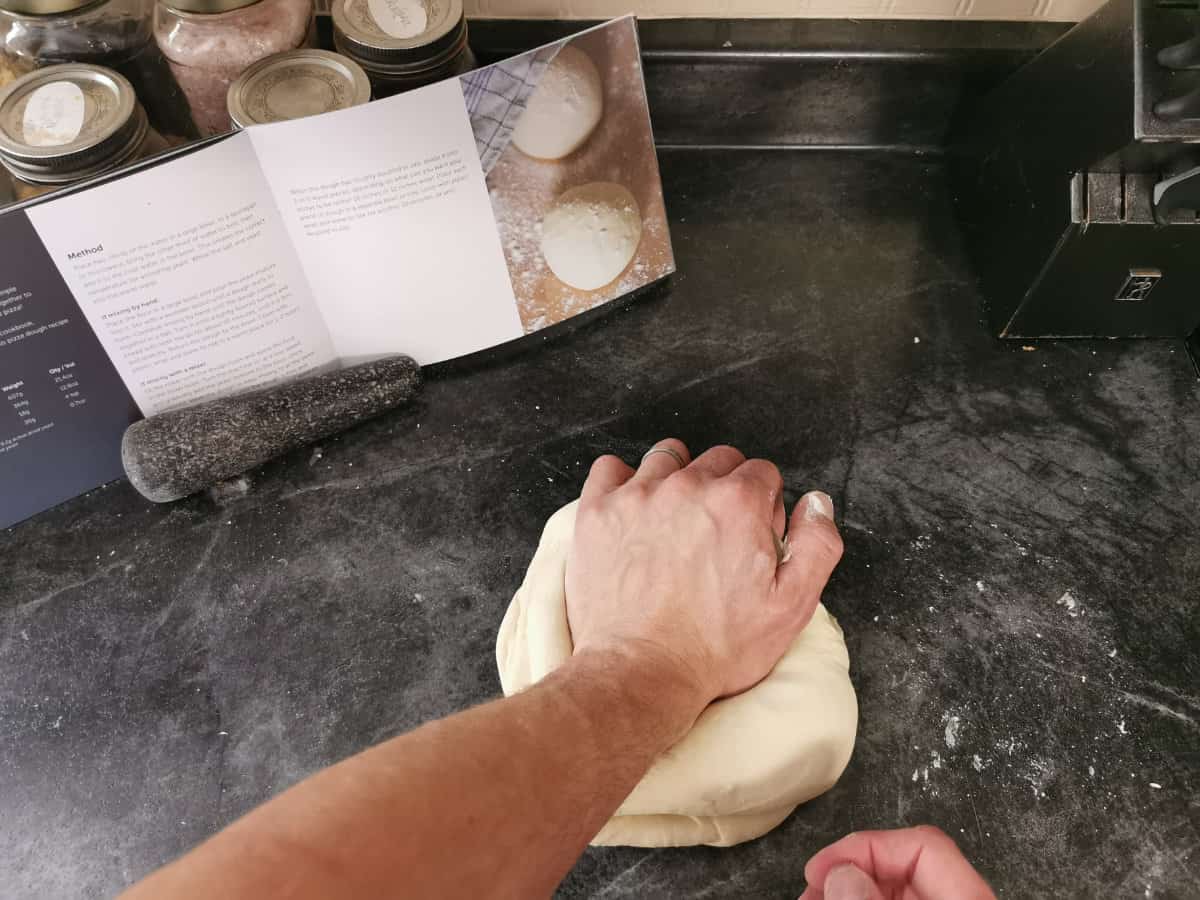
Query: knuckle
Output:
(821,546)
(590,517)
(833,544)
(766,472)
(682,481)
(636,490)
(728,451)
(740,491)
(606,463)
(764,559)
(820,538)
(765,467)
(933,835)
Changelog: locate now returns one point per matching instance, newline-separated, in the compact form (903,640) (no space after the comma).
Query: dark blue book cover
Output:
(63,408)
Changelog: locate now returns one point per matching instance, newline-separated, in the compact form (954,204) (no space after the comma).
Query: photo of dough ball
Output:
(591,234)
(582,230)
(564,110)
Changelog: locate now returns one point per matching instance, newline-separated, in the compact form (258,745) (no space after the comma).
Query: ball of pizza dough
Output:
(591,233)
(564,109)
(748,761)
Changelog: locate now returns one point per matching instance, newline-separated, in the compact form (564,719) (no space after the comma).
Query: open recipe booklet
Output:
(415,224)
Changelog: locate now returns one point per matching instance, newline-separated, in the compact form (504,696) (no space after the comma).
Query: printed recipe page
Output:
(187,276)
(387,206)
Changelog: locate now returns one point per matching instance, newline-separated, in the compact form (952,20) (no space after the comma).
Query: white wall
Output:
(1038,10)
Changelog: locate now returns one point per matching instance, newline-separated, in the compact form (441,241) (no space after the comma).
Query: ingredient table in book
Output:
(62,406)
(436,223)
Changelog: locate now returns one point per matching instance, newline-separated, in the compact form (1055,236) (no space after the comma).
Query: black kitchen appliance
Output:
(1077,181)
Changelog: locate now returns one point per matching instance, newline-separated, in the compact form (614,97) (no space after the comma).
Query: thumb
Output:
(813,550)
(849,882)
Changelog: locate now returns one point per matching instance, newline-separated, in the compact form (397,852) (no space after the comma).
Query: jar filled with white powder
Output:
(209,43)
(62,124)
(115,34)
(403,44)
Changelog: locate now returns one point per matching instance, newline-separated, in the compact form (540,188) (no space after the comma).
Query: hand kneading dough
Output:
(590,234)
(748,761)
(564,109)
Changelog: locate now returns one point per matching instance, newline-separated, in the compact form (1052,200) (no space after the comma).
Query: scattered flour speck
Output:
(953,724)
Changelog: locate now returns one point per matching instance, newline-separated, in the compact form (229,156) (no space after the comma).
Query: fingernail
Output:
(848,882)
(818,505)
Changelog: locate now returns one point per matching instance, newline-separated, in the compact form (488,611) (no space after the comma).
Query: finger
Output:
(718,461)
(765,477)
(660,465)
(922,858)
(847,881)
(779,516)
(607,474)
(814,548)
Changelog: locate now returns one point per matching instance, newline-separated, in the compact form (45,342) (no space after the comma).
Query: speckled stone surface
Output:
(1019,590)
(177,453)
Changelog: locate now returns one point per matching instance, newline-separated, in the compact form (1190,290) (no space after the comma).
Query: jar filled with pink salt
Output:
(209,43)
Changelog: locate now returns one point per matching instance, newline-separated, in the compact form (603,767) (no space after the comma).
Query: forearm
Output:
(497,801)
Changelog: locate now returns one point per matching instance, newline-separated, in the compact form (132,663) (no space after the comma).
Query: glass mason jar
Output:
(62,124)
(115,34)
(209,43)
(403,44)
(8,190)
(294,85)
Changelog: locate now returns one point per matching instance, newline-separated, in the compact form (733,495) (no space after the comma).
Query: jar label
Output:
(399,18)
(53,115)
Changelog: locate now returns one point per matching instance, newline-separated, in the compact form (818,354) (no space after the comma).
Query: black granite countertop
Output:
(1019,590)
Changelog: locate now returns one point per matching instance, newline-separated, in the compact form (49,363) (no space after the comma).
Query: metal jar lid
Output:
(204,7)
(391,50)
(46,7)
(84,120)
(296,84)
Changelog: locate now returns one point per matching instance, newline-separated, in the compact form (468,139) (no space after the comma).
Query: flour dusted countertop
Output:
(1019,591)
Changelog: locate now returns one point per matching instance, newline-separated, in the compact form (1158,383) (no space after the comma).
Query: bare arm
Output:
(675,598)
(496,801)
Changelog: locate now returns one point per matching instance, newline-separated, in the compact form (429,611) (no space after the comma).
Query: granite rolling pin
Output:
(178,453)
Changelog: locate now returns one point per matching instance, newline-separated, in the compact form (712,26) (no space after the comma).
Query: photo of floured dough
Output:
(591,233)
(619,151)
(747,762)
(565,108)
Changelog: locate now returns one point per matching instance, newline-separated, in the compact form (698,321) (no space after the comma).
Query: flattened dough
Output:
(748,761)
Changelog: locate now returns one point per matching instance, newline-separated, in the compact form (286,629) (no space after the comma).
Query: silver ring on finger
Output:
(667,450)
